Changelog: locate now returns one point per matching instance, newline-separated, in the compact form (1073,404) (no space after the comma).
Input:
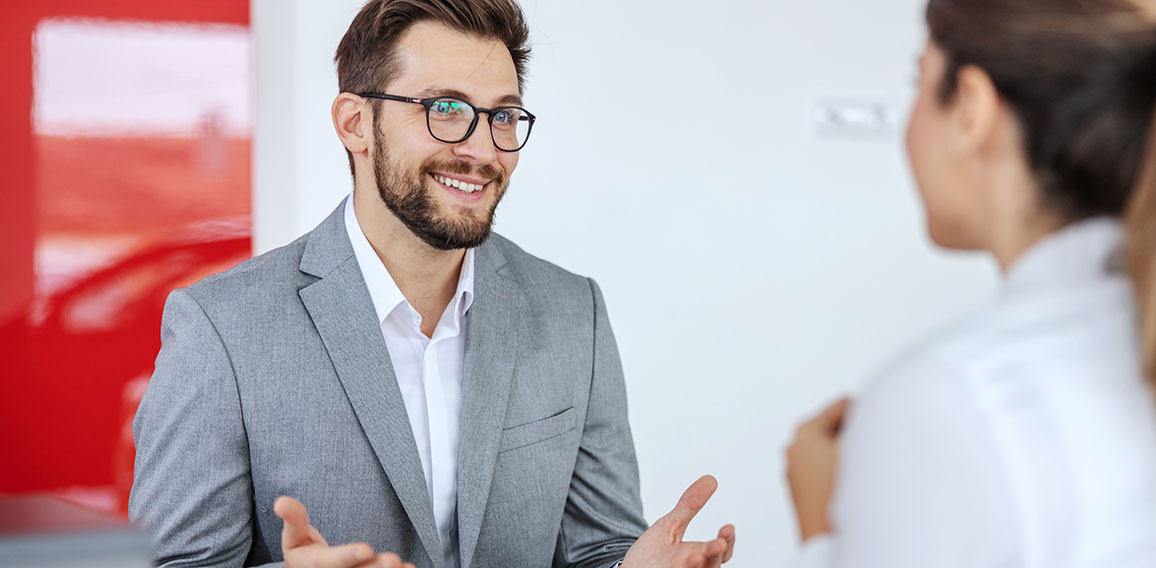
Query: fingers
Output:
(827,424)
(691,502)
(302,545)
(345,556)
(296,531)
(693,560)
(386,560)
(727,534)
(714,553)
(830,420)
(703,554)
(711,554)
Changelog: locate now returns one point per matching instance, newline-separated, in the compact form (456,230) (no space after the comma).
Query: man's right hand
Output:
(302,546)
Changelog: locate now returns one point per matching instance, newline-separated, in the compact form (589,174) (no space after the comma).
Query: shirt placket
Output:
(442,471)
(436,401)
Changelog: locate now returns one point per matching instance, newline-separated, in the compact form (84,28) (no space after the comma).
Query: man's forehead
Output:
(433,56)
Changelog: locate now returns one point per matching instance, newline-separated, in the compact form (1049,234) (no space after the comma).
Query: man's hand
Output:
(812,462)
(661,546)
(303,547)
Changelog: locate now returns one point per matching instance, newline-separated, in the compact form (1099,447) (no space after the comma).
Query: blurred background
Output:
(127,153)
(732,174)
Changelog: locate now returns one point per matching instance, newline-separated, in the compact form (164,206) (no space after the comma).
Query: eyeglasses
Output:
(452,120)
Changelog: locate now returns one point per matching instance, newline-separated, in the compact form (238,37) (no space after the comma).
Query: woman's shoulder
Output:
(944,356)
(1017,345)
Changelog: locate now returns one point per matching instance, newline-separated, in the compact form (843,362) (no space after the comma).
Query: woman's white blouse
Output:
(1025,437)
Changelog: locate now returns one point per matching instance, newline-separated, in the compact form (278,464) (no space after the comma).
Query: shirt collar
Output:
(383,290)
(1083,251)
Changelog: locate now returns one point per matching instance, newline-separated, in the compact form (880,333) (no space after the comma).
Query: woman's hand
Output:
(812,462)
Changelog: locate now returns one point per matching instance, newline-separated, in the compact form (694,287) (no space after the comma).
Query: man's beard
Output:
(408,197)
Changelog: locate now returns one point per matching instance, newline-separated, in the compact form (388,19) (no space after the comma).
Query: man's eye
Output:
(447,107)
(506,116)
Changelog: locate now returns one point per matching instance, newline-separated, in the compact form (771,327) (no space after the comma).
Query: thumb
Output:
(691,502)
(296,530)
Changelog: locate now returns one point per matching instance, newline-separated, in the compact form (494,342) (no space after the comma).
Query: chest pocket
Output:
(539,430)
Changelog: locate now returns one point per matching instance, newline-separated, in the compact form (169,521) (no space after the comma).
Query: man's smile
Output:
(461,185)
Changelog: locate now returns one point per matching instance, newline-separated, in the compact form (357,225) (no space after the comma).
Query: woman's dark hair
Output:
(1080,76)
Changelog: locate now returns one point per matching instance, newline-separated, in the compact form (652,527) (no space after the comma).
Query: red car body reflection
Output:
(85,355)
(126,153)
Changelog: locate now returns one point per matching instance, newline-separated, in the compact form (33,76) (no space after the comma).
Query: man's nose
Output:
(480,145)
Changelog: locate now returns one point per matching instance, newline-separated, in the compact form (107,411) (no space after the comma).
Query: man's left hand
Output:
(661,546)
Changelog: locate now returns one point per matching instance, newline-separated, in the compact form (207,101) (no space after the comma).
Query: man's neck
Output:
(427,277)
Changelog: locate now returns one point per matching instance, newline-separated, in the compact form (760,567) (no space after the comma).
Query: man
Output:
(429,391)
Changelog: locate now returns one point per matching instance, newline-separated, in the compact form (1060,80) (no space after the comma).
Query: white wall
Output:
(300,171)
(755,264)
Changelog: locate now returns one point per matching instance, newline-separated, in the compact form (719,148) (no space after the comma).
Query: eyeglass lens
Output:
(450,119)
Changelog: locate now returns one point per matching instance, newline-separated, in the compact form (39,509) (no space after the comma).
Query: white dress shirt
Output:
(1025,437)
(429,373)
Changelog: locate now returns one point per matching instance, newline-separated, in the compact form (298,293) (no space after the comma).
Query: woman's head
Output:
(1077,78)
(1060,93)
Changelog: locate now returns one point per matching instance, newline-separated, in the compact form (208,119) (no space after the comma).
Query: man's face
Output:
(416,173)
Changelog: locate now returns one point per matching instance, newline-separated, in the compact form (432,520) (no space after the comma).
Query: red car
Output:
(80,359)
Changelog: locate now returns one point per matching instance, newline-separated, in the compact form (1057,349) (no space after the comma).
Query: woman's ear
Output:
(353,122)
(975,112)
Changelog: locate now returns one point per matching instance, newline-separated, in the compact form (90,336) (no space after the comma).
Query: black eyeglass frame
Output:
(429,102)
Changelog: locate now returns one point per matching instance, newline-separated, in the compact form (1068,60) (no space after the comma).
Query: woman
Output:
(1025,436)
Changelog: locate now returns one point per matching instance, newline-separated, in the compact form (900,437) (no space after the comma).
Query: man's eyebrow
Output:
(514,100)
(434,92)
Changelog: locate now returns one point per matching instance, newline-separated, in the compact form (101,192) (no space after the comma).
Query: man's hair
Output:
(367,56)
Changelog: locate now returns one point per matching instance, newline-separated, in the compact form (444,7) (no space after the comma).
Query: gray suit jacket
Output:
(273,379)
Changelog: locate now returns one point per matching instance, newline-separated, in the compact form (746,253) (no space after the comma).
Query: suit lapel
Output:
(493,335)
(343,313)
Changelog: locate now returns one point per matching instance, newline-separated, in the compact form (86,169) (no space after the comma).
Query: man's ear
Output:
(975,112)
(353,122)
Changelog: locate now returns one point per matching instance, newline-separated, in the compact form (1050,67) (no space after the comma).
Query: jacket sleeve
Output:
(603,515)
(191,485)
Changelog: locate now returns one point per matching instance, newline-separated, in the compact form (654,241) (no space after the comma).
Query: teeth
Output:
(458,184)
